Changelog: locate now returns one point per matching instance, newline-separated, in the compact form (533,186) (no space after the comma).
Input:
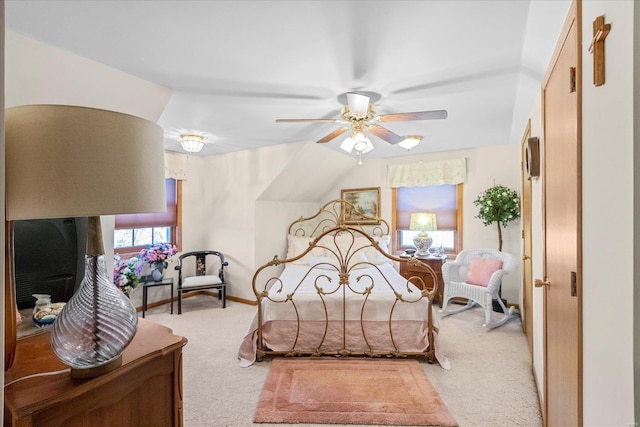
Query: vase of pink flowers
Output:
(157,255)
(126,273)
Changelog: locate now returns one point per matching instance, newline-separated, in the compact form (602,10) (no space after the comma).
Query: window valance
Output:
(423,174)
(175,166)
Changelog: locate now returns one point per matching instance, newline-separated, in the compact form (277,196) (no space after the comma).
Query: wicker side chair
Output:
(456,278)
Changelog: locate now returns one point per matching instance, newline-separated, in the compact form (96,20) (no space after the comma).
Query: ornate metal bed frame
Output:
(329,222)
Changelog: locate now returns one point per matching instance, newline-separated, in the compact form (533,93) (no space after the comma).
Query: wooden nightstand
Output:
(408,271)
(145,390)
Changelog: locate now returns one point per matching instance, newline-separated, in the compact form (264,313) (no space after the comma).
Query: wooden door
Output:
(561,102)
(527,275)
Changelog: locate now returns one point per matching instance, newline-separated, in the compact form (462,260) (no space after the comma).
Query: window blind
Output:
(163,219)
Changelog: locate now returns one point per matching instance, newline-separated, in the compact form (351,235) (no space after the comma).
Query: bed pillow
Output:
(361,245)
(481,269)
(374,256)
(343,242)
(324,262)
(359,260)
(297,245)
(383,242)
(331,262)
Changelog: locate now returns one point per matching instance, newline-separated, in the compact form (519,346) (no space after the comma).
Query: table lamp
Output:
(422,222)
(66,161)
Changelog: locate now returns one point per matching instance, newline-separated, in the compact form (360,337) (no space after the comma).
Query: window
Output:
(136,231)
(443,200)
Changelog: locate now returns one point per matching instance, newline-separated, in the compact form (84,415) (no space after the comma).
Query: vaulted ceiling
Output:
(237,66)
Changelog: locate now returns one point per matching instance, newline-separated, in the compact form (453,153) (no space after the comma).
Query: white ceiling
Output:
(236,66)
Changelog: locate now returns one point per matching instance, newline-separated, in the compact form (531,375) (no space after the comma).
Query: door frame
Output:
(527,245)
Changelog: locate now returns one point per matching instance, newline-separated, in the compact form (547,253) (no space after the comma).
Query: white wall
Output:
(38,73)
(273,219)
(498,164)
(607,192)
(250,231)
(608,247)
(243,217)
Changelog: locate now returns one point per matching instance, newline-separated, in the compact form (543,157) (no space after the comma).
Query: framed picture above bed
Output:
(363,205)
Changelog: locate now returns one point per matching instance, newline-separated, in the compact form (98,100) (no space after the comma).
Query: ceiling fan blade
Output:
(333,135)
(386,134)
(418,115)
(306,120)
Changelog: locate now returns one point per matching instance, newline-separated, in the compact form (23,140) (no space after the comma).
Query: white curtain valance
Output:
(423,174)
(175,166)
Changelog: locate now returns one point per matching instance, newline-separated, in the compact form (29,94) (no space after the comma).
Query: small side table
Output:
(148,282)
(435,262)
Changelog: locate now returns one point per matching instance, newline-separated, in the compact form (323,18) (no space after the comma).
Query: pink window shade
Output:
(164,219)
(439,199)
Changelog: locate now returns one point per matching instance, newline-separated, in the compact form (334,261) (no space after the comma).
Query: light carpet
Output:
(351,391)
(490,382)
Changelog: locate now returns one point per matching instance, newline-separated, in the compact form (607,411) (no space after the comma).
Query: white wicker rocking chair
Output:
(454,276)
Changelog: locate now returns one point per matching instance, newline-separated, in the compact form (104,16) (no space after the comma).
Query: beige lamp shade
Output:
(66,161)
(423,221)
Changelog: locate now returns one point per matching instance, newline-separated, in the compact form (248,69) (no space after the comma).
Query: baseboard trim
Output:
(190,294)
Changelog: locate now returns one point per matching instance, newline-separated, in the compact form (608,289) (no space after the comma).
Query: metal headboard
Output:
(332,215)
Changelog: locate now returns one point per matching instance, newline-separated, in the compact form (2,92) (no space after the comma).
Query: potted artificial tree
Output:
(499,205)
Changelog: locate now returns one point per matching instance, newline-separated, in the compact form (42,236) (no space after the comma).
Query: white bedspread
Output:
(377,306)
(391,297)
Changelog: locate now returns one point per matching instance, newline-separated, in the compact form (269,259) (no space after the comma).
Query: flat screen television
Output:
(49,258)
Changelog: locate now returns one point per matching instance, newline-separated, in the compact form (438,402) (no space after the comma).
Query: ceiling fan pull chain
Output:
(360,158)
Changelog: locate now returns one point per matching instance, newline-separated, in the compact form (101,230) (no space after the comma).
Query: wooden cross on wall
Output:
(600,32)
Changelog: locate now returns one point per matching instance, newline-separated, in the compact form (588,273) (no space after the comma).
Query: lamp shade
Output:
(357,141)
(66,161)
(423,221)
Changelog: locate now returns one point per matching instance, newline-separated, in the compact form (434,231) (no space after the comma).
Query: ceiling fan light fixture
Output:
(358,105)
(410,141)
(347,144)
(192,142)
(361,143)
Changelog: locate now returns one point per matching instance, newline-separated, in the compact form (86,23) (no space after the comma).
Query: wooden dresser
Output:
(408,271)
(145,391)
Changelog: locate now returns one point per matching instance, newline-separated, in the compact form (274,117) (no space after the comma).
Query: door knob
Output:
(540,283)
(525,257)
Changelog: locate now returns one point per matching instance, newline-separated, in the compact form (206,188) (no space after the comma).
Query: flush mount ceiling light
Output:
(410,141)
(192,142)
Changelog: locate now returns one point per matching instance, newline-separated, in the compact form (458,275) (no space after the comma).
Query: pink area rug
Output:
(350,391)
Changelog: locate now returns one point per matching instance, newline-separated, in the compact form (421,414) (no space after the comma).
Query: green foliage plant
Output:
(500,205)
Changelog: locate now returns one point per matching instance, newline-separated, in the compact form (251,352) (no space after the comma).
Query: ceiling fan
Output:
(360,116)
